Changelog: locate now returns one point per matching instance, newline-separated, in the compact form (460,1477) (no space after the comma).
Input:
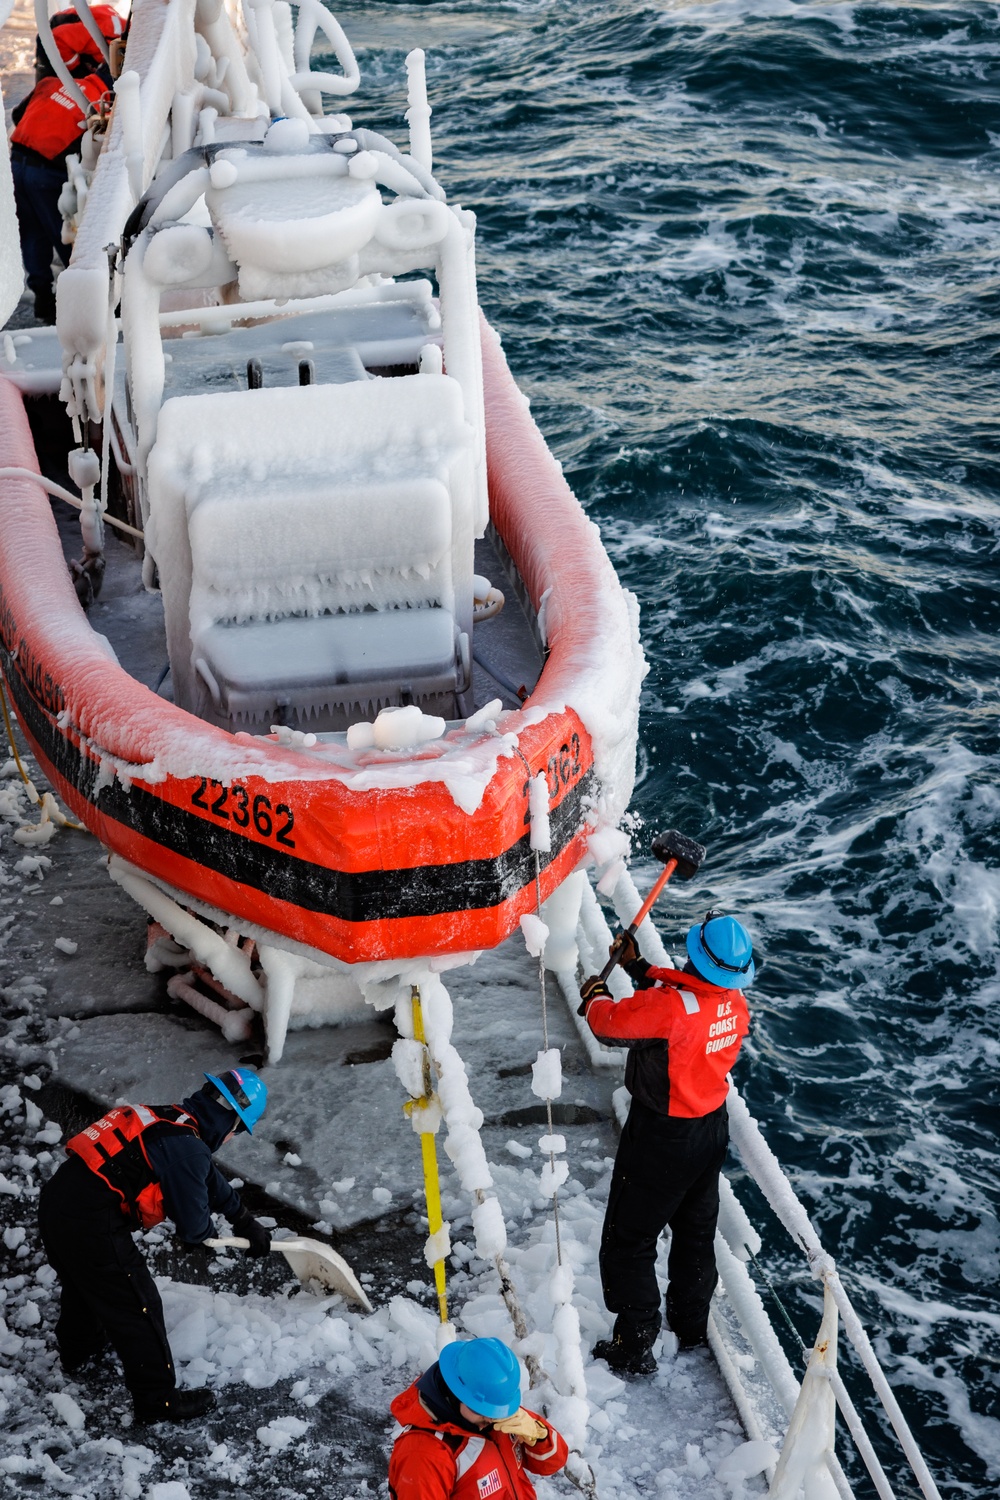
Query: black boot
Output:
(686,1341)
(629,1350)
(75,1362)
(45,304)
(179,1406)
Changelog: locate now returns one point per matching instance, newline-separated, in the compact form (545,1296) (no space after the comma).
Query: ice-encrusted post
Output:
(808,1447)
(418,115)
(127,105)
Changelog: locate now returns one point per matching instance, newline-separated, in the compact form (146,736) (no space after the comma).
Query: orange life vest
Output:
(114,1148)
(52,121)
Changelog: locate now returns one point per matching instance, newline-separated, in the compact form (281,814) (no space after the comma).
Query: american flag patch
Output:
(490,1483)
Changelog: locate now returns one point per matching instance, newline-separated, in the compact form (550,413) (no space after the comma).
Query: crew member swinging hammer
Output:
(683,1030)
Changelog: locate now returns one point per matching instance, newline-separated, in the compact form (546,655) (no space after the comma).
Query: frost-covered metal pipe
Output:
(418,115)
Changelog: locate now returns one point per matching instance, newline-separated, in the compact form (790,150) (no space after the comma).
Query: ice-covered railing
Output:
(805,1444)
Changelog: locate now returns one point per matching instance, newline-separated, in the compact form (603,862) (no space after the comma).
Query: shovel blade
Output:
(688,853)
(311,1260)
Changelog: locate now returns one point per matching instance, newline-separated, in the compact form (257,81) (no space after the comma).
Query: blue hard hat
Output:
(484,1374)
(243,1091)
(721,951)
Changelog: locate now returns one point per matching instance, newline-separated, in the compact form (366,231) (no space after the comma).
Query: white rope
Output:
(61,494)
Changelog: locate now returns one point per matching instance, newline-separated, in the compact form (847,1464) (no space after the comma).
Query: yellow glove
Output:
(522,1425)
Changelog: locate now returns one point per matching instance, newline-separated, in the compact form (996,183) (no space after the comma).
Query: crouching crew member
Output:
(48,126)
(683,1030)
(136,1166)
(465,1433)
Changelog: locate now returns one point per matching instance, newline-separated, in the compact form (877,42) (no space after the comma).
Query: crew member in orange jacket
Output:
(466,1435)
(131,1169)
(48,126)
(683,1030)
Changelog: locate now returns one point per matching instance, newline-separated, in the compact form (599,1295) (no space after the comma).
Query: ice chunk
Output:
(546,1074)
(538,812)
(536,934)
(516,1149)
(66,945)
(279,1433)
(402,728)
(170,1489)
(552,1144)
(488,714)
(409,1058)
(552,1177)
(437,1246)
(67,1409)
(746,1461)
(489,1229)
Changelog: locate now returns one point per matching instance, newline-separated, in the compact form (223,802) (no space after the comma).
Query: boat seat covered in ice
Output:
(315,549)
(341,344)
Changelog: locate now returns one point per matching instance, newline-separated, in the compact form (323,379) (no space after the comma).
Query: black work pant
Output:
(107,1290)
(36,197)
(666,1172)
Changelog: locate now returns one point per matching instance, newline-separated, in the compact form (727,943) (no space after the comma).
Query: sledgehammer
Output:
(681,856)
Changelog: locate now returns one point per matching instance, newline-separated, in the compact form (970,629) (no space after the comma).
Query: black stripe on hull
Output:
(355,896)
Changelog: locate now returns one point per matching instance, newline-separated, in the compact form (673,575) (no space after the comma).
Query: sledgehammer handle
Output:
(642,913)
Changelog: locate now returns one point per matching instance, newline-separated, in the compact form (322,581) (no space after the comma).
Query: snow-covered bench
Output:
(315,549)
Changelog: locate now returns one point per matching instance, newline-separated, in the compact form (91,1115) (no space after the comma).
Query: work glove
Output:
(625,950)
(523,1426)
(593,988)
(248,1228)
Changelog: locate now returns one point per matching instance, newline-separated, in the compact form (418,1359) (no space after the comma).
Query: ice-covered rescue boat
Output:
(334,485)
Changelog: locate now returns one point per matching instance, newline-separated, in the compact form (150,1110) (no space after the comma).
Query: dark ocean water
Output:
(745,258)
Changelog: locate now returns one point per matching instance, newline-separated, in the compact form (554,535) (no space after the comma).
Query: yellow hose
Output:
(428,1150)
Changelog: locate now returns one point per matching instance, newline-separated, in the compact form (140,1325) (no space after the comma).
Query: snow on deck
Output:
(304,1384)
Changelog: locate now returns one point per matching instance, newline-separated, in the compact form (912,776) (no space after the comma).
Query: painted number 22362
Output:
(233,804)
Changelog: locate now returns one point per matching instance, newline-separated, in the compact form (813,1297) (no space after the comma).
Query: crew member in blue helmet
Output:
(466,1435)
(683,1029)
(134,1167)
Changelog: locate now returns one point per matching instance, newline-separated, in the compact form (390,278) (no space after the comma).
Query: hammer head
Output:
(687,852)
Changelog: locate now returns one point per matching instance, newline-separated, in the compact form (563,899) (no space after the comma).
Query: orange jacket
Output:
(683,1035)
(114,1148)
(52,122)
(434,1460)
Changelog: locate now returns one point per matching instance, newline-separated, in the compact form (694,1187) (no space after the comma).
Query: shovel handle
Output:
(227,1244)
(642,913)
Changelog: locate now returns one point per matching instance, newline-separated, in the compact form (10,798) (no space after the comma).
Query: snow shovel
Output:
(311,1260)
(679,854)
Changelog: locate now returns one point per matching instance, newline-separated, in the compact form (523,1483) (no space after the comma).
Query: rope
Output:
(778,1302)
(48,804)
(11,472)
